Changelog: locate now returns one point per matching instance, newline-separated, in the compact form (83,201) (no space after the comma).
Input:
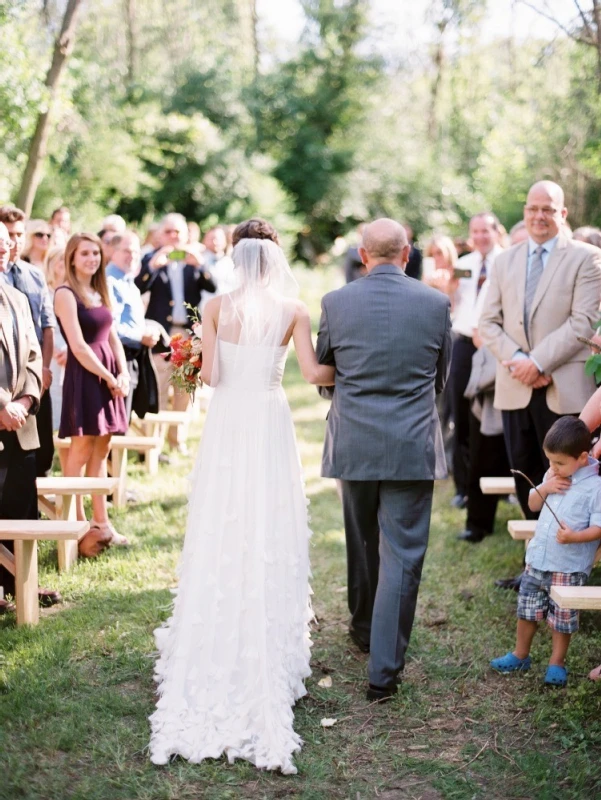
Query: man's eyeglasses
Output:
(42,235)
(546,210)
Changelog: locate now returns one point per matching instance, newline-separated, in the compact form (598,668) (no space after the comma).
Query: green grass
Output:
(76,691)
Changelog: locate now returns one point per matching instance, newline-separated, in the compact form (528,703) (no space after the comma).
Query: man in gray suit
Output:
(389,338)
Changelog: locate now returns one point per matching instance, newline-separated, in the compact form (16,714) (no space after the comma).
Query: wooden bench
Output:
(23,564)
(117,465)
(578,597)
(56,499)
(497,485)
(156,425)
(522,530)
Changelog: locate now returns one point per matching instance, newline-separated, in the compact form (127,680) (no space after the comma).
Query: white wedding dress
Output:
(234,654)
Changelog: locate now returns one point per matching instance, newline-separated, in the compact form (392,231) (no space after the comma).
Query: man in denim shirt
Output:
(558,556)
(30,280)
(134,331)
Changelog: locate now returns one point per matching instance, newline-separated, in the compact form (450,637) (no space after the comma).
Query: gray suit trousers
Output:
(387,524)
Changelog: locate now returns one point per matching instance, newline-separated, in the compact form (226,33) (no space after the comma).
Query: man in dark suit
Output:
(389,338)
(20,389)
(173,282)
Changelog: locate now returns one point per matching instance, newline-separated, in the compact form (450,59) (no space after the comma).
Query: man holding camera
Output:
(173,274)
(472,272)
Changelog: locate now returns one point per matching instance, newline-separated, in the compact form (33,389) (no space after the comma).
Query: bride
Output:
(233,655)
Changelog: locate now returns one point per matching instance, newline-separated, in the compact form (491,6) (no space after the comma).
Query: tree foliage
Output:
(177,105)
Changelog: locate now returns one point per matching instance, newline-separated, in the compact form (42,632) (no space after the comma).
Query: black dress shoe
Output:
(509,583)
(459,501)
(47,598)
(361,644)
(472,536)
(379,693)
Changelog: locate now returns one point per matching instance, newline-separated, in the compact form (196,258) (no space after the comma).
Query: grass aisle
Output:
(75,692)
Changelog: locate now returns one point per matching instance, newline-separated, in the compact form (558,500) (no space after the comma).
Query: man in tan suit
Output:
(544,293)
(20,388)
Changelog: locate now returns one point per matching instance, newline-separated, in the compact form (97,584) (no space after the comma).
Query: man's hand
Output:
(161,257)
(542,381)
(13,416)
(151,337)
(556,485)
(477,339)
(60,356)
(46,379)
(523,370)
(194,255)
(566,535)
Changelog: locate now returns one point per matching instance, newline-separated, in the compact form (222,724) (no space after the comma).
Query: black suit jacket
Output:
(160,307)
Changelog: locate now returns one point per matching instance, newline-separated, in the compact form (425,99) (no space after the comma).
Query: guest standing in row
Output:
(96,378)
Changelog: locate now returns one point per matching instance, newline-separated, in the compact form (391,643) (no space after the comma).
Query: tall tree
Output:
(39,142)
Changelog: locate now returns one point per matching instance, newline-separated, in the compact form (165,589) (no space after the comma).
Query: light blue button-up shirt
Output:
(127,307)
(579,507)
(32,283)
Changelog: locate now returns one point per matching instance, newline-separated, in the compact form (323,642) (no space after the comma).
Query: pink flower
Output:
(197,329)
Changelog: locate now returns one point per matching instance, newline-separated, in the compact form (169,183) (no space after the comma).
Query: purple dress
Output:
(89,409)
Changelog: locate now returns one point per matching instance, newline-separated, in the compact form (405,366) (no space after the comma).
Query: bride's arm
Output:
(312,371)
(209,337)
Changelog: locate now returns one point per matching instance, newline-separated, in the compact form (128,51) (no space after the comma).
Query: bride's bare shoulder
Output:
(212,308)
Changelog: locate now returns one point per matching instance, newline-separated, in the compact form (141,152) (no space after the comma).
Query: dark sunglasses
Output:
(41,234)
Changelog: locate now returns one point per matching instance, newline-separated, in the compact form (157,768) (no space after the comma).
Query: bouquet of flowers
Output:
(185,355)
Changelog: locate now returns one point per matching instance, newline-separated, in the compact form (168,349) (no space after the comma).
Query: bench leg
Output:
(67,549)
(119,470)
(26,582)
(151,460)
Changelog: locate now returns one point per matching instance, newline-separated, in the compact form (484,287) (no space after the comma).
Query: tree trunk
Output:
(131,38)
(38,145)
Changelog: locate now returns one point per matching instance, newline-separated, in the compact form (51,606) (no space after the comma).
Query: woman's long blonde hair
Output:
(98,283)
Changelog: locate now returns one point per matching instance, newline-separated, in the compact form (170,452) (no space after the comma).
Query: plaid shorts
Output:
(535,603)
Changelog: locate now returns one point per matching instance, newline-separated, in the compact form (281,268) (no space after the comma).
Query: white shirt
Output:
(466,313)
(176,279)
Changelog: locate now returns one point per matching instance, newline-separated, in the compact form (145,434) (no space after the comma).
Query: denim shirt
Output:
(31,281)
(579,507)
(127,307)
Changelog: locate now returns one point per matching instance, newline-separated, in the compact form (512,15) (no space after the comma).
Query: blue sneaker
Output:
(510,663)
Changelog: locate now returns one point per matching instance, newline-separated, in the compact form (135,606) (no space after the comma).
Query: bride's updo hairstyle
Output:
(255,229)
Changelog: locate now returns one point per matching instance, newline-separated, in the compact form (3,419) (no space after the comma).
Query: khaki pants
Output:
(177,434)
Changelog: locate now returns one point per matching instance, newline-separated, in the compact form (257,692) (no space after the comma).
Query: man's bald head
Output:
(384,242)
(544,212)
(550,189)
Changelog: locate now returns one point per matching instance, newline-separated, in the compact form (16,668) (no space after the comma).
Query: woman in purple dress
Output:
(96,378)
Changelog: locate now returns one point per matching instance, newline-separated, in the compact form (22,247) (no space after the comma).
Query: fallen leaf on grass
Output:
(327,722)
(326,682)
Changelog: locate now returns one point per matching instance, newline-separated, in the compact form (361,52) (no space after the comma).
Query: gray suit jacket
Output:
(389,338)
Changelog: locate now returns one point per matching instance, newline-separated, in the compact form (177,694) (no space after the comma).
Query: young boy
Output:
(558,556)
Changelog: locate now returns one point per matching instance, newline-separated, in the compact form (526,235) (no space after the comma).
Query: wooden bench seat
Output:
(23,564)
(497,485)
(157,425)
(522,530)
(56,499)
(577,597)
(117,464)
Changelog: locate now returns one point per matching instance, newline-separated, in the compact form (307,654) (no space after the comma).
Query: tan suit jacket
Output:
(566,305)
(25,376)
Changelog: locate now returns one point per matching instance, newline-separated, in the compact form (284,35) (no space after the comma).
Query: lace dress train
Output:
(235,651)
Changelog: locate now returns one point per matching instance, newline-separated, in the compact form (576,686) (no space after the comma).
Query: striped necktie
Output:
(534,274)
